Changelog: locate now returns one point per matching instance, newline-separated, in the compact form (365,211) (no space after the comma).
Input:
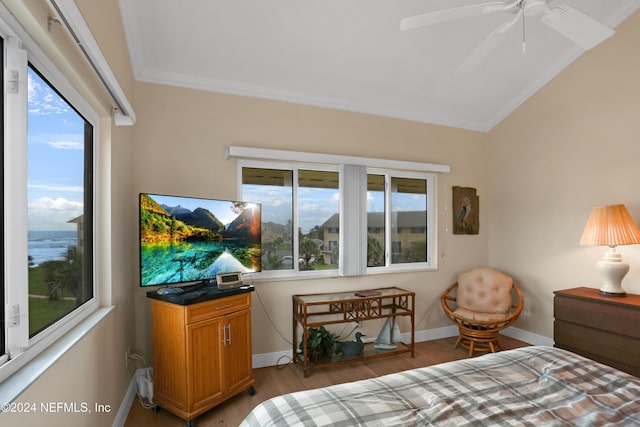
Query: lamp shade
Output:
(610,226)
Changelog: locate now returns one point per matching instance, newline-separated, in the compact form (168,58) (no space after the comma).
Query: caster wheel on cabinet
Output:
(252,391)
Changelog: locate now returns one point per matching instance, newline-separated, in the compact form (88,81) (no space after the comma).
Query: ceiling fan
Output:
(583,30)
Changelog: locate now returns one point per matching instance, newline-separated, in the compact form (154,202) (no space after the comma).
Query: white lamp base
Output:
(612,269)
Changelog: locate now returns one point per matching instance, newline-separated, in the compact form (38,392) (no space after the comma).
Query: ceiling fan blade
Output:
(582,29)
(446,15)
(485,48)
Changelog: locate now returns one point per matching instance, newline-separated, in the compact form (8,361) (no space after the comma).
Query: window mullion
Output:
(15,192)
(387,220)
(431,222)
(296,223)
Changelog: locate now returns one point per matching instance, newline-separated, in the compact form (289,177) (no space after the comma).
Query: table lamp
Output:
(611,226)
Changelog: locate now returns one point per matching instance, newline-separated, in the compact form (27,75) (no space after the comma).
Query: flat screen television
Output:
(186,239)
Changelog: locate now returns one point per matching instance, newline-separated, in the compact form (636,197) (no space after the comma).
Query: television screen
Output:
(185,239)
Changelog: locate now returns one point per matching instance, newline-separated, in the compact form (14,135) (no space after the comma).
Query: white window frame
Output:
(280,159)
(294,167)
(21,349)
(431,263)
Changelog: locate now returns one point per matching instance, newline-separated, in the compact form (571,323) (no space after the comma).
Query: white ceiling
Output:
(351,55)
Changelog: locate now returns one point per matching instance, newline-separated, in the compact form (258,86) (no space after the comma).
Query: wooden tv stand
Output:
(315,310)
(201,349)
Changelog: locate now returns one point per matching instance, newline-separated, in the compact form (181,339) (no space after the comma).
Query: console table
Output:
(315,310)
(602,328)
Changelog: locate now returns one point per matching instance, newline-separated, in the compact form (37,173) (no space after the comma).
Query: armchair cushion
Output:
(484,290)
(482,303)
(475,316)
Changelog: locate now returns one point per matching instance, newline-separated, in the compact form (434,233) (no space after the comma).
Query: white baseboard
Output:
(527,336)
(433,334)
(272,359)
(125,405)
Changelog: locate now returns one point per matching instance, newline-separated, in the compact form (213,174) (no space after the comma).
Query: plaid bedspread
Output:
(529,386)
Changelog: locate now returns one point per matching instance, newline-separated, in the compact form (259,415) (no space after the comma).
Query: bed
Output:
(529,386)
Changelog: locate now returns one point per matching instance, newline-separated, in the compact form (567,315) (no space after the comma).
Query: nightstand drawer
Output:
(600,315)
(616,350)
(603,328)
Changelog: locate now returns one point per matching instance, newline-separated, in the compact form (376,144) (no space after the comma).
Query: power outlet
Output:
(132,355)
(526,311)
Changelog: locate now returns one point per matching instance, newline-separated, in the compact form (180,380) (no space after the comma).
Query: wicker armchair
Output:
(481,303)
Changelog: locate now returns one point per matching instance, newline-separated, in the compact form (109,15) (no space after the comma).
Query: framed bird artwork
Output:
(466,210)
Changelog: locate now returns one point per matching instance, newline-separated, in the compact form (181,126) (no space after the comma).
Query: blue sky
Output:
(55,159)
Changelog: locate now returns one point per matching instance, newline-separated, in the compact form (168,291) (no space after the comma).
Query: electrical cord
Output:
(149,379)
(255,289)
(289,360)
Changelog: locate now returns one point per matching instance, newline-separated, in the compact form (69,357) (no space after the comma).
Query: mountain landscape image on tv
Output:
(186,239)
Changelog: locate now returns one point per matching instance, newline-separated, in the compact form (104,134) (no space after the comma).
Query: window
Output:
(318,213)
(376,220)
(3,335)
(273,189)
(48,198)
(315,244)
(397,219)
(408,214)
(397,229)
(59,210)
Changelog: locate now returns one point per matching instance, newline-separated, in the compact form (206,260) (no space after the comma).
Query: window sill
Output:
(22,379)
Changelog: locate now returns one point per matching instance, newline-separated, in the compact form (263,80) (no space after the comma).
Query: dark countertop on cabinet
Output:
(194,294)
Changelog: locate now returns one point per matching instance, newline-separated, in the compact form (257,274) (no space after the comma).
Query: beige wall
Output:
(181,136)
(573,146)
(93,370)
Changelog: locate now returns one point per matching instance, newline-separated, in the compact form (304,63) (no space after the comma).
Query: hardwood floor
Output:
(273,381)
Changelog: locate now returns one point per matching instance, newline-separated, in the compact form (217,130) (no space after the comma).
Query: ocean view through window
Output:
(50,245)
(59,185)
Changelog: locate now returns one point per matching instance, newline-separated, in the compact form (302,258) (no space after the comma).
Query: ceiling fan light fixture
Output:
(533,7)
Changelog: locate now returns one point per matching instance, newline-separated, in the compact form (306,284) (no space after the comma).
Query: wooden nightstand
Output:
(603,328)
